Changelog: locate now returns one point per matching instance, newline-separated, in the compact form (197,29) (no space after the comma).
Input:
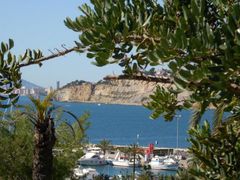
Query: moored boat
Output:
(161,163)
(92,159)
(86,173)
(125,162)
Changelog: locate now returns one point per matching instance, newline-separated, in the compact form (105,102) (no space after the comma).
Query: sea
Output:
(129,124)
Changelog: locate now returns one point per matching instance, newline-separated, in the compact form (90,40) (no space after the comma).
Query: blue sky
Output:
(39,25)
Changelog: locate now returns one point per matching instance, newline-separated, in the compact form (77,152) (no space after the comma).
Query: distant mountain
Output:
(30,85)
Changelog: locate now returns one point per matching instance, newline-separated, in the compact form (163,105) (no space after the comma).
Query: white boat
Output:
(96,150)
(92,159)
(125,162)
(84,173)
(166,163)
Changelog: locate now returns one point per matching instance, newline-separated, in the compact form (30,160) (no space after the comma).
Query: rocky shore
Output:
(110,91)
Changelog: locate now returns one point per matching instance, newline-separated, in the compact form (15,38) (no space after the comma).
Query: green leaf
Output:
(84,40)
(11,96)
(69,23)
(185,74)
(11,43)
(153,56)
(180,83)
(223,46)
(118,56)
(135,68)
(90,55)
(3,98)
(4,106)
(191,67)
(173,66)
(15,100)
(4,47)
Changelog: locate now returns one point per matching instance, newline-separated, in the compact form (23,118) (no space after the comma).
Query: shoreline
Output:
(124,104)
(108,103)
(156,150)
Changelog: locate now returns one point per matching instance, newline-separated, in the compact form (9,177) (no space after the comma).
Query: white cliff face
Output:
(79,93)
(118,91)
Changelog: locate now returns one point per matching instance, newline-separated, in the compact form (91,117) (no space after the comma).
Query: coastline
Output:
(124,104)
(94,102)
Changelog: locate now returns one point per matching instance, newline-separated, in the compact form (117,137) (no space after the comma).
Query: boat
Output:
(92,159)
(84,173)
(163,163)
(96,150)
(125,162)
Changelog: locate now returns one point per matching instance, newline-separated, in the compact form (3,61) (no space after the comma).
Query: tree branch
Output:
(140,38)
(234,88)
(40,60)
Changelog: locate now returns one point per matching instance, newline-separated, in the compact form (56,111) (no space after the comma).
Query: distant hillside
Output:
(30,85)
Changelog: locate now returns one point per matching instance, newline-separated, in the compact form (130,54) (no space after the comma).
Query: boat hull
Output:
(164,167)
(124,163)
(87,173)
(90,162)
(163,164)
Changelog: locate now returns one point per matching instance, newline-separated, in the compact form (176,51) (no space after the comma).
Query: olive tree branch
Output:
(40,60)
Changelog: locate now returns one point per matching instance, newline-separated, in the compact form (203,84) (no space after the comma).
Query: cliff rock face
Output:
(116,91)
(82,92)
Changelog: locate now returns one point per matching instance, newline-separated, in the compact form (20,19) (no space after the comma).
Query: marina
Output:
(115,162)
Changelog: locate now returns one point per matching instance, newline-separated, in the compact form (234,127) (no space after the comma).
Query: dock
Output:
(161,151)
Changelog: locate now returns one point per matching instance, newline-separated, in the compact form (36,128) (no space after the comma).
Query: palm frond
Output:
(31,116)
(44,107)
(71,128)
(52,109)
(36,102)
(40,109)
(82,120)
(47,101)
(198,112)
(58,115)
(76,119)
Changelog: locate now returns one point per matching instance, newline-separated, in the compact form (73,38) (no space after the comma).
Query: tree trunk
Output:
(44,140)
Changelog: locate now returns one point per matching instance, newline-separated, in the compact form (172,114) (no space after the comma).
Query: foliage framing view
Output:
(199,40)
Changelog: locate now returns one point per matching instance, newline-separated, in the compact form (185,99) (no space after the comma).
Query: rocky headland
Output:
(111,91)
(116,91)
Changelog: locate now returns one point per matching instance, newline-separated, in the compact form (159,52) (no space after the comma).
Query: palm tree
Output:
(104,145)
(41,115)
(44,137)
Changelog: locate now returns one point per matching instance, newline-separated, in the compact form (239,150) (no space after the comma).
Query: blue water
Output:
(116,170)
(124,124)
